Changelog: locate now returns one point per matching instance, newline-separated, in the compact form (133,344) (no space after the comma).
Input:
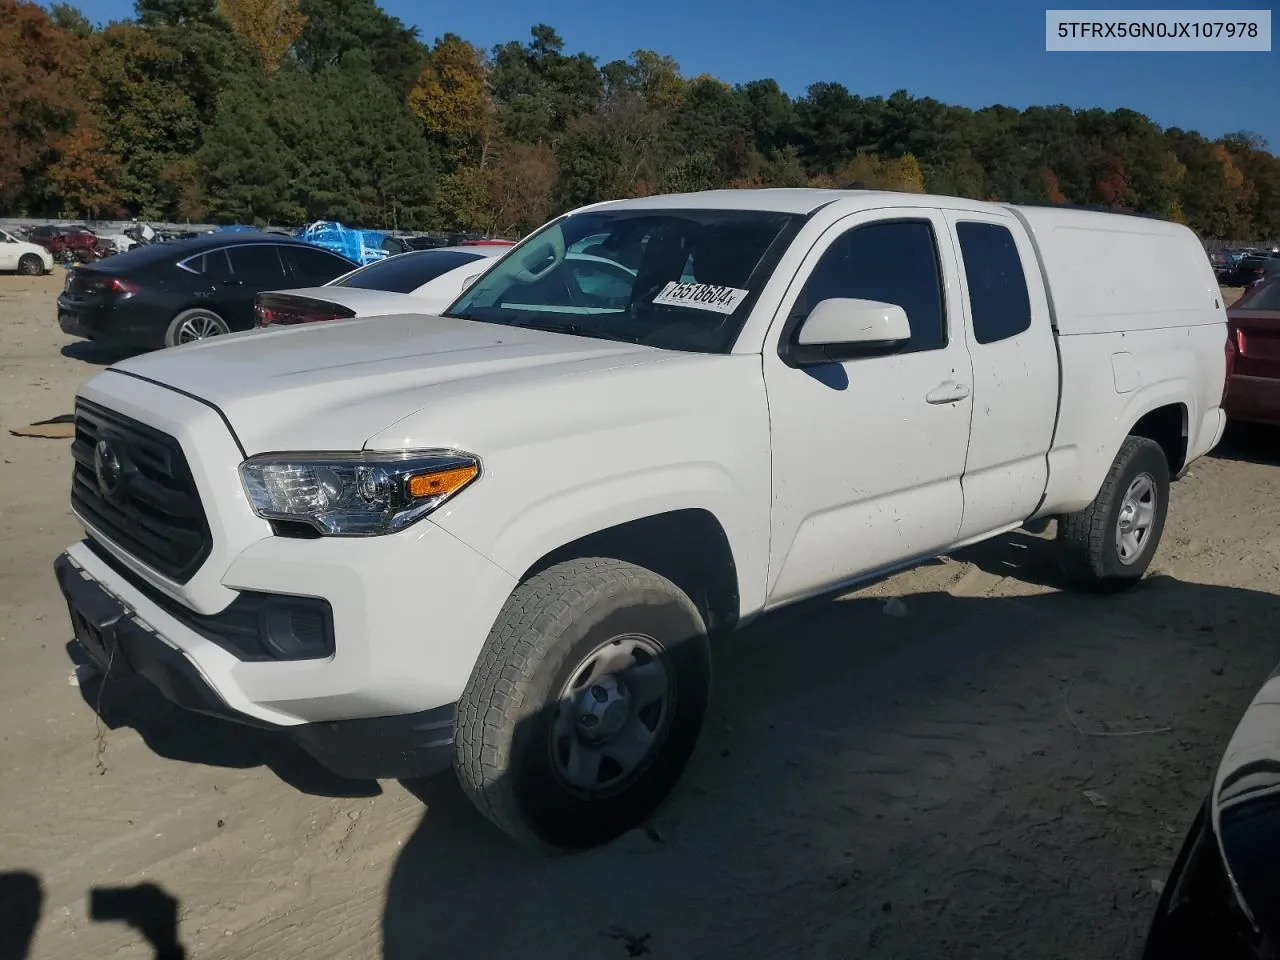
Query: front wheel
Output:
(30,265)
(584,705)
(192,325)
(1110,543)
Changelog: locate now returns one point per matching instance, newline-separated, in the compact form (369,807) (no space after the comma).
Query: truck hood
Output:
(332,386)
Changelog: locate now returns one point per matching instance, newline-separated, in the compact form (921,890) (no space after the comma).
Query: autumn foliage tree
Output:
(283,111)
(268,27)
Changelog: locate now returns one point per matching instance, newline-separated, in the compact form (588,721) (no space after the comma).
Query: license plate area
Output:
(97,642)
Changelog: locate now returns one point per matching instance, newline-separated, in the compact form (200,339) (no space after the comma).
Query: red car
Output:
(1253,355)
(81,242)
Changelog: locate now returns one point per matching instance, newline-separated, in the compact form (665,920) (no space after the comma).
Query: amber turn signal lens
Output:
(441,482)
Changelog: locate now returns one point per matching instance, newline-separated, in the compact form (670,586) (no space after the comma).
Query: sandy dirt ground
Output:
(869,784)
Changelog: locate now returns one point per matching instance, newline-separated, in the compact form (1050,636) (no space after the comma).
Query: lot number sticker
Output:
(700,296)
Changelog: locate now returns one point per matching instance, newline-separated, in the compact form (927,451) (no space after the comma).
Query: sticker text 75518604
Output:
(700,296)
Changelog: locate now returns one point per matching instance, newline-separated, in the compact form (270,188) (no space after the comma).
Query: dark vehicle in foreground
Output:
(1253,355)
(167,294)
(1222,899)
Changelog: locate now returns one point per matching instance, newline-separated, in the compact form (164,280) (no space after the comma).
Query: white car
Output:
(501,540)
(420,281)
(29,259)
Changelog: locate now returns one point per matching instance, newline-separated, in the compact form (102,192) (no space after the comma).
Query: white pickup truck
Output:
(500,538)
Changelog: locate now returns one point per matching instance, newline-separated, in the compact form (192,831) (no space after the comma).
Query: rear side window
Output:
(894,261)
(998,297)
(312,267)
(257,264)
(407,272)
(213,265)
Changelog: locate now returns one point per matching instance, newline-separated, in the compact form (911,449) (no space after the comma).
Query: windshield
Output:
(405,272)
(675,279)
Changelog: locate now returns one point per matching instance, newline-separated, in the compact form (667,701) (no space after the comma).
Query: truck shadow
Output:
(870,785)
(195,738)
(1249,443)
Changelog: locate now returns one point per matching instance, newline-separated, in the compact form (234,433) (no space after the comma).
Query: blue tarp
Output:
(362,246)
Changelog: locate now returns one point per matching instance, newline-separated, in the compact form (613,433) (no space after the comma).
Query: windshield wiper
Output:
(556,326)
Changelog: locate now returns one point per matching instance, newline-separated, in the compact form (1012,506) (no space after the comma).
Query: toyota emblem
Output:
(107,468)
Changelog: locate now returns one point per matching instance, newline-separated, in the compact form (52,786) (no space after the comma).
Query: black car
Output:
(1251,269)
(165,294)
(1222,899)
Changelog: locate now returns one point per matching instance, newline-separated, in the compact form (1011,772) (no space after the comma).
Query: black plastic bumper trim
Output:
(393,747)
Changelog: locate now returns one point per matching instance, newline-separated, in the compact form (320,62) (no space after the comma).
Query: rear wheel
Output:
(584,705)
(30,265)
(192,325)
(1110,543)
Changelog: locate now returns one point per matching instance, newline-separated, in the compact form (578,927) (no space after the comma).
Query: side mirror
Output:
(469,281)
(842,328)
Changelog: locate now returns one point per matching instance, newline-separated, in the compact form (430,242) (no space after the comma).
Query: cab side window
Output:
(893,261)
(998,297)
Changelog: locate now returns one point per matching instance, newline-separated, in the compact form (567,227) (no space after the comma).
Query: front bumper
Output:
(114,637)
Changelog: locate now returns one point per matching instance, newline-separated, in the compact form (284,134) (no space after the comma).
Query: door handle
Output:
(948,392)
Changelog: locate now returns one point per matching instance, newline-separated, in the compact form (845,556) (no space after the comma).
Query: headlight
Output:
(355,494)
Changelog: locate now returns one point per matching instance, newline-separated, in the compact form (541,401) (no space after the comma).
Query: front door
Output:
(868,453)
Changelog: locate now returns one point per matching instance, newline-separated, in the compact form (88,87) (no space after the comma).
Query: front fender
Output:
(534,526)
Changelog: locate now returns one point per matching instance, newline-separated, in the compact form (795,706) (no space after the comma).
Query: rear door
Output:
(254,267)
(1015,370)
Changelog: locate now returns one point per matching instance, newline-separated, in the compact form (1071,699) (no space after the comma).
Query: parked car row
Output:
(168,294)
(1241,268)
(165,295)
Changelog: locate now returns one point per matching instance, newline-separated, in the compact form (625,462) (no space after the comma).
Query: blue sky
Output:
(971,54)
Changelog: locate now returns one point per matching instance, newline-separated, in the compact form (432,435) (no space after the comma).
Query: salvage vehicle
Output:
(501,540)
(28,259)
(421,281)
(1222,898)
(168,294)
(67,243)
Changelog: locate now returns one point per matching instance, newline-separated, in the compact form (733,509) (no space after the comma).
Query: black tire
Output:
(1088,539)
(29,265)
(503,734)
(184,324)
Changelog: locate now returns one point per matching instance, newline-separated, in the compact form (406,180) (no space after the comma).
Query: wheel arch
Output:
(1168,426)
(687,546)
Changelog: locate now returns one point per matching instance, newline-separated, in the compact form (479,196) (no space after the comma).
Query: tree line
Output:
(287,111)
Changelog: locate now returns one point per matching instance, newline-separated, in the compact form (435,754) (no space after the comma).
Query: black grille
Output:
(152,510)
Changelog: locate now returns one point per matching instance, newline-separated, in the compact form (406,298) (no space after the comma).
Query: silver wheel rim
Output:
(198,327)
(1137,517)
(612,715)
